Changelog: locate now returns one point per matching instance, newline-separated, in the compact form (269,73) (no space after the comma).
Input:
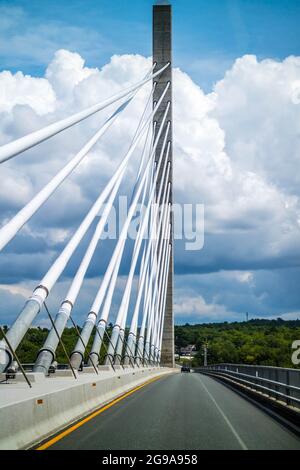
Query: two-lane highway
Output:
(179,412)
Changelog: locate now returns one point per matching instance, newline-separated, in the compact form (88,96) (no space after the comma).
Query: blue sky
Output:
(208,36)
(236,142)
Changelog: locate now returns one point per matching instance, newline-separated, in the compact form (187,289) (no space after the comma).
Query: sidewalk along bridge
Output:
(182,411)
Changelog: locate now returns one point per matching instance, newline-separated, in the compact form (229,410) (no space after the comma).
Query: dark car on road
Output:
(185,369)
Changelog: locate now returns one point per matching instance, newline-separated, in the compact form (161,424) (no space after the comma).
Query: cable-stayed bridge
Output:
(139,348)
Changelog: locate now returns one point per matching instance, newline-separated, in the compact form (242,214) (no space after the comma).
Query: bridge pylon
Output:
(162,55)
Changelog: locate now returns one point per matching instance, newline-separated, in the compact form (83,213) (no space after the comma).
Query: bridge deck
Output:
(28,416)
(185,412)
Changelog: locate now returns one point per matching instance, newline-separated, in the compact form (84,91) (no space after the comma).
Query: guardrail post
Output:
(276,387)
(256,381)
(288,401)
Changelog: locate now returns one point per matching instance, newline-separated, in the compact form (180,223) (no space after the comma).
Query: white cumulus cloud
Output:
(236,150)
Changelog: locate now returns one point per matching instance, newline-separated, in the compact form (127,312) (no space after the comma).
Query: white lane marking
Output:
(234,432)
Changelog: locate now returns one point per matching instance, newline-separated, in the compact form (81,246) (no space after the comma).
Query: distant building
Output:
(189,350)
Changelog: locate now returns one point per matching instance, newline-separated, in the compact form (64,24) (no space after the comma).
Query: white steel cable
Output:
(95,350)
(56,269)
(157,338)
(165,280)
(159,282)
(147,276)
(119,328)
(72,294)
(163,306)
(151,247)
(46,354)
(123,309)
(162,223)
(107,293)
(9,230)
(107,305)
(106,289)
(152,318)
(156,298)
(120,323)
(143,288)
(134,320)
(161,293)
(101,326)
(34,303)
(117,255)
(159,276)
(12,149)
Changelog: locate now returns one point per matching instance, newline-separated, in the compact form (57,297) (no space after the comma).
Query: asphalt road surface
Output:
(181,412)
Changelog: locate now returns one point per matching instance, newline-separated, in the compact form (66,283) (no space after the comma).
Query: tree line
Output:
(260,342)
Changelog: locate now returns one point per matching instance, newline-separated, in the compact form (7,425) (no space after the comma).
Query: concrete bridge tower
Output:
(162,54)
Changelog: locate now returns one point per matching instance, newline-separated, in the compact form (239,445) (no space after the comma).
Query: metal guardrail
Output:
(276,382)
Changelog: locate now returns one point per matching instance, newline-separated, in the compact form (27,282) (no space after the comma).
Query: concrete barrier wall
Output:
(32,420)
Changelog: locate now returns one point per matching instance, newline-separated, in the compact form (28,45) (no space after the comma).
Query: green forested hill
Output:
(264,342)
